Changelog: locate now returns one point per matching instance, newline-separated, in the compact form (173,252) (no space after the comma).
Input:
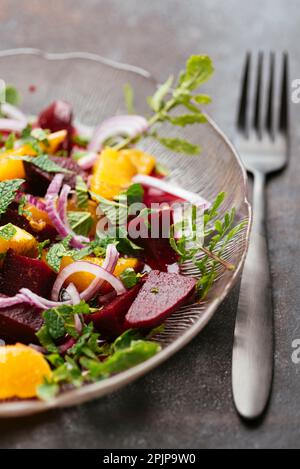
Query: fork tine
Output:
(284,103)
(242,120)
(257,121)
(270,105)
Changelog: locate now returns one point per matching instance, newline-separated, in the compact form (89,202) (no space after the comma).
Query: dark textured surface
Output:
(187,401)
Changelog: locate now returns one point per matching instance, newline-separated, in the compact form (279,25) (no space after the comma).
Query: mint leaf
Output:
(43,162)
(82,192)
(80,222)
(41,246)
(8,191)
(121,360)
(55,254)
(7,232)
(10,142)
(129,278)
(135,194)
(47,390)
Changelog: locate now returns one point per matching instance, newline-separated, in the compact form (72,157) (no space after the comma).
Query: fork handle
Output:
(252,360)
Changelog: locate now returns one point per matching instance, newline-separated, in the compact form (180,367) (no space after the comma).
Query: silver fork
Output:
(262,142)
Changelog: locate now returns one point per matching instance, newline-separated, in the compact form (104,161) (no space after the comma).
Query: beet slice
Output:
(110,320)
(58,116)
(160,296)
(12,216)
(23,272)
(39,180)
(20,323)
(158,253)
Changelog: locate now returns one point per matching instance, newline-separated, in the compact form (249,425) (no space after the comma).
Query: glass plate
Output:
(94,86)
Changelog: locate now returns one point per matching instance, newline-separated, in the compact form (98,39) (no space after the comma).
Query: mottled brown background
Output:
(187,401)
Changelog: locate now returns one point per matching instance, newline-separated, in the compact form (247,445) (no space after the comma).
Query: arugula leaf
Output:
(129,98)
(8,191)
(7,232)
(179,145)
(129,278)
(80,222)
(82,192)
(12,96)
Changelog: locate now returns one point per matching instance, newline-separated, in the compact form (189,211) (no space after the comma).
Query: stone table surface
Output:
(187,402)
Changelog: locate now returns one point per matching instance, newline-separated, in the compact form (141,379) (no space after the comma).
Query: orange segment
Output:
(82,280)
(22,242)
(111,173)
(9,168)
(143,162)
(22,370)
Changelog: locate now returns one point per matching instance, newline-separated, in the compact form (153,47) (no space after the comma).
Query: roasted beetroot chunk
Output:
(109,321)
(160,296)
(11,216)
(39,180)
(58,116)
(158,253)
(20,323)
(23,272)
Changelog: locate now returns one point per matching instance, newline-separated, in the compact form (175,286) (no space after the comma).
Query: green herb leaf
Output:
(8,191)
(202,99)
(12,96)
(10,141)
(135,194)
(43,162)
(157,100)
(41,246)
(188,119)
(47,390)
(80,222)
(179,146)
(56,252)
(129,98)
(199,69)
(82,192)
(121,360)
(129,278)
(80,140)
(7,232)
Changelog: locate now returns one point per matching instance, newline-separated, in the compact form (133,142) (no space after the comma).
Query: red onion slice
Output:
(6,302)
(12,112)
(12,125)
(73,293)
(41,302)
(87,161)
(129,125)
(109,265)
(54,186)
(83,266)
(62,204)
(39,204)
(164,186)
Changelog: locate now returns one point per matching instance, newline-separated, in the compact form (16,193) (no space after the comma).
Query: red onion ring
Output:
(12,125)
(164,186)
(12,112)
(62,204)
(83,266)
(6,302)
(129,125)
(54,186)
(109,265)
(87,161)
